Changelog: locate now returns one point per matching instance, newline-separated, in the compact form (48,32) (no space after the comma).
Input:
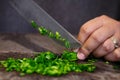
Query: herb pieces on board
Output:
(48,63)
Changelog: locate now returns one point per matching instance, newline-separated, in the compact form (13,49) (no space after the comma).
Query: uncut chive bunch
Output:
(56,35)
(47,63)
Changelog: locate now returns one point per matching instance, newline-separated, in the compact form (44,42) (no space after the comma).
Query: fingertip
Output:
(81,56)
(83,51)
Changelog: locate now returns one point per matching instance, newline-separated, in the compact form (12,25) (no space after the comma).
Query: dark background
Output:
(69,13)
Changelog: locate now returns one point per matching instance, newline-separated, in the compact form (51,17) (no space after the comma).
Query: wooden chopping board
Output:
(24,45)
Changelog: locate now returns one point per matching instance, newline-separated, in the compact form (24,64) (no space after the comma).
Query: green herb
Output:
(56,35)
(107,62)
(47,63)
(71,56)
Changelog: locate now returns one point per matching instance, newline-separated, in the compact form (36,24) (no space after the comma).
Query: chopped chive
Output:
(57,35)
(47,63)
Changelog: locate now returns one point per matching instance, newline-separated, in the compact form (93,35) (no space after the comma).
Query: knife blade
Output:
(30,10)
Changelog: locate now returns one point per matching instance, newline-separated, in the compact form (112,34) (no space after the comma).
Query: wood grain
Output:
(24,45)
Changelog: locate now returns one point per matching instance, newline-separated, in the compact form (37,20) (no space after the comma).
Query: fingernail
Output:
(81,56)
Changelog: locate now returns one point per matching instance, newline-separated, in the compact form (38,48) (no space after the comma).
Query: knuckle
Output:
(96,38)
(103,17)
(85,50)
(85,30)
(107,48)
(88,49)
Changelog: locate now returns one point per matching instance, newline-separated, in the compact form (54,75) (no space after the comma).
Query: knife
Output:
(31,11)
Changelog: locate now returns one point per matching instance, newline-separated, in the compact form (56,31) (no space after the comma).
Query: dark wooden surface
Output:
(24,45)
(28,43)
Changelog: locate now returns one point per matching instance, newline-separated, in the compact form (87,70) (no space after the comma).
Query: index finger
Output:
(88,28)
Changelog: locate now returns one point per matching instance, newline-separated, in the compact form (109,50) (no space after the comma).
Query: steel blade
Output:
(30,10)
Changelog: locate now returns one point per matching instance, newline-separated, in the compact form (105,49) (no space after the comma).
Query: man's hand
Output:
(101,37)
